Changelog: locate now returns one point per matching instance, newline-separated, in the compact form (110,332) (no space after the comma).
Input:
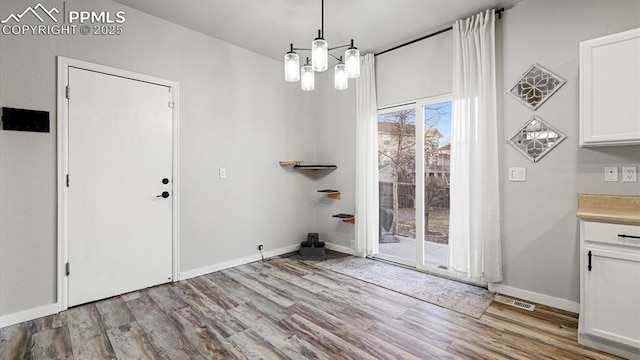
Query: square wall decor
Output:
(536,138)
(535,86)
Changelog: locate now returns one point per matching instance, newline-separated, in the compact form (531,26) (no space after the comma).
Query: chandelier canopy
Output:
(319,62)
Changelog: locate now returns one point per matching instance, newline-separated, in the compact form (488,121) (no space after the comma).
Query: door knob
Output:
(165,194)
(165,181)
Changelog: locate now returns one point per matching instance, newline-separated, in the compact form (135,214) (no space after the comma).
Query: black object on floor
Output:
(312,246)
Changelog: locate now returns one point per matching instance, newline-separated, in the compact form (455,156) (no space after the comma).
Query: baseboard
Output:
(547,300)
(340,248)
(610,347)
(184,275)
(26,315)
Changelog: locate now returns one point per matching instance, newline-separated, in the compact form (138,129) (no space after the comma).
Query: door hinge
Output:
(66,267)
(67,180)
(171,105)
(68,92)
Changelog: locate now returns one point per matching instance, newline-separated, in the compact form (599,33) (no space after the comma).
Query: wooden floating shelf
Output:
(347,218)
(332,194)
(290,162)
(315,167)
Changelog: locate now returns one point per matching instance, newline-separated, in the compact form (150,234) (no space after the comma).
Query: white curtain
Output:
(366,159)
(474,235)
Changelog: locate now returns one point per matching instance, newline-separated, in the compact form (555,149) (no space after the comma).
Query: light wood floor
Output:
(289,309)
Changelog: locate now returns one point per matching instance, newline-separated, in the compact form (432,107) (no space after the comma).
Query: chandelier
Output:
(319,62)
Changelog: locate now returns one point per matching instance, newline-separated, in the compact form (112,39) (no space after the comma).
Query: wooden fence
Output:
(406,195)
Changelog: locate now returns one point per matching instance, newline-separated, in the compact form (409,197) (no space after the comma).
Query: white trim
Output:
(175,90)
(555,302)
(26,315)
(395,259)
(340,248)
(608,346)
(184,275)
(419,263)
(64,64)
(402,105)
(62,150)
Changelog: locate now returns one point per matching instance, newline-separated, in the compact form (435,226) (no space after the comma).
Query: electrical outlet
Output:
(629,174)
(611,173)
(222,172)
(260,246)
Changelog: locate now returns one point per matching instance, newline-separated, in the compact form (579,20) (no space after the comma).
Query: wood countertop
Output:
(618,209)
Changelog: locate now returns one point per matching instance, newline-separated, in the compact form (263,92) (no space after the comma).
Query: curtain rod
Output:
(498,12)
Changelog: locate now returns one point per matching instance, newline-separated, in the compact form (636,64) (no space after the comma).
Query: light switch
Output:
(611,174)
(517,174)
(222,172)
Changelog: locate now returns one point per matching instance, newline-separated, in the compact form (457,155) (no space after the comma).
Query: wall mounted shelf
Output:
(290,162)
(332,194)
(315,167)
(347,218)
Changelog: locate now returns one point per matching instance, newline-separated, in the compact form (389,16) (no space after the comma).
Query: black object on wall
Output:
(25,120)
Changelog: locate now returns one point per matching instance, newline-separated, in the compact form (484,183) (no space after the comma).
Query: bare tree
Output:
(436,188)
(402,158)
(400,155)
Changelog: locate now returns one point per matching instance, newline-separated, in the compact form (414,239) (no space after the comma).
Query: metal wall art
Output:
(536,86)
(536,138)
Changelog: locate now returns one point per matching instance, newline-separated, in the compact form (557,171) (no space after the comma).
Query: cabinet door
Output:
(610,89)
(612,296)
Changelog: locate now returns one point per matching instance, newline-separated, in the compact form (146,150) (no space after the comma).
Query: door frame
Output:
(64,64)
(419,263)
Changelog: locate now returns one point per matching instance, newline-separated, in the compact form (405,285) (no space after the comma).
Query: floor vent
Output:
(515,303)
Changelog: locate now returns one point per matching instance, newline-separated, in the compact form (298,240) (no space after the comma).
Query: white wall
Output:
(540,229)
(335,113)
(416,71)
(235,112)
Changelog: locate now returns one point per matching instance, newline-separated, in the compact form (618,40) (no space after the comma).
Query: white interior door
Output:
(120,153)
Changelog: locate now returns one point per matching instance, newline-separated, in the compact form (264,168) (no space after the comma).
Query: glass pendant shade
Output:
(291,67)
(352,61)
(308,81)
(319,54)
(340,80)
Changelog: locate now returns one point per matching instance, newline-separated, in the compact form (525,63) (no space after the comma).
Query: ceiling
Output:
(268,26)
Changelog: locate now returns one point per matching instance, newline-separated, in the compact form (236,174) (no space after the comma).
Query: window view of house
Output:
(397,166)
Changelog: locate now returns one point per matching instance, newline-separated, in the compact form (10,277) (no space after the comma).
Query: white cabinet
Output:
(610,90)
(610,288)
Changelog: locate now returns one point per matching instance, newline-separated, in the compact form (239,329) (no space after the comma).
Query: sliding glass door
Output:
(397,183)
(414,146)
